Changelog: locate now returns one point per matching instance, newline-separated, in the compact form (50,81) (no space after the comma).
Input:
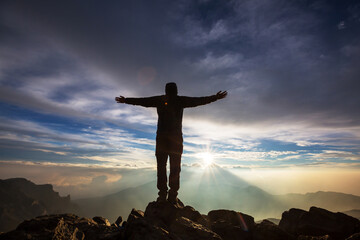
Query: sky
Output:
(291,69)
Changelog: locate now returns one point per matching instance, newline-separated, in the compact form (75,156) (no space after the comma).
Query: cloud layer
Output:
(291,70)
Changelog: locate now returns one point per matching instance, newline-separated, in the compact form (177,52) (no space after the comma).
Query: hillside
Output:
(21,199)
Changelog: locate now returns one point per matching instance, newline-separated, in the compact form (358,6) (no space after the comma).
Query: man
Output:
(169,141)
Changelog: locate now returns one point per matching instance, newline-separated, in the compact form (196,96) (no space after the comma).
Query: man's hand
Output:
(221,94)
(120,99)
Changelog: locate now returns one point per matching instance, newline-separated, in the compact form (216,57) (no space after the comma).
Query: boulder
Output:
(163,220)
(246,222)
(138,227)
(184,228)
(230,224)
(190,213)
(118,221)
(101,221)
(135,214)
(161,213)
(164,213)
(269,230)
(319,222)
(228,231)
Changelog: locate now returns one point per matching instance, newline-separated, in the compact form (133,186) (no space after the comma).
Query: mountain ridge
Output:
(248,198)
(22,199)
(174,221)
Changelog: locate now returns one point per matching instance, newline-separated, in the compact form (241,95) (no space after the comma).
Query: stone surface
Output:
(62,226)
(269,230)
(163,220)
(137,227)
(118,221)
(184,228)
(190,213)
(231,225)
(325,237)
(355,236)
(101,221)
(319,222)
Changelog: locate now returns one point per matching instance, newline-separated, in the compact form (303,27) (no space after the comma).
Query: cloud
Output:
(292,77)
(341,25)
(210,62)
(78,180)
(195,35)
(276,55)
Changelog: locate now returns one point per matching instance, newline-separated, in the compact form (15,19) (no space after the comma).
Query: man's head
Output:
(171,89)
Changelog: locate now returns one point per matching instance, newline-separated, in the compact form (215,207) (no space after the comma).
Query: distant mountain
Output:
(21,199)
(216,189)
(118,204)
(354,213)
(333,201)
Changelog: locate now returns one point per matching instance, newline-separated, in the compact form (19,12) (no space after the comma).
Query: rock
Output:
(62,226)
(302,237)
(355,236)
(163,213)
(190,213)
(138,228)
(118,221)
(135,214)
(228,231)
(166,221)
(268,230)
(231,225)
(163,220)
(319,222)
(290,219)
(246,222)
(101,221)
(184,228)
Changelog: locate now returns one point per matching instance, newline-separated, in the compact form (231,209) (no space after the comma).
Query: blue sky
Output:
(290,68)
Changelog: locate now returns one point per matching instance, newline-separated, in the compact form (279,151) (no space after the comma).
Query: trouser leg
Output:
(161,173)
(174,178)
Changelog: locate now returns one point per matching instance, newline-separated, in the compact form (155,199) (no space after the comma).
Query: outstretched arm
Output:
(145,102)
(197,101)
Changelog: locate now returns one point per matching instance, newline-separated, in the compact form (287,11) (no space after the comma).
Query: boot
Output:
(172,198)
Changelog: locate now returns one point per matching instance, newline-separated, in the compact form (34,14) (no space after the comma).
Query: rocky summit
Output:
(166,221)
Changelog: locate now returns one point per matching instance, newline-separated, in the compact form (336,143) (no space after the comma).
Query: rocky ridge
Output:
(162,220)
(22,199)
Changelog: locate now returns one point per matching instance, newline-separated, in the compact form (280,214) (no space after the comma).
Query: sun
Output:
(207,159)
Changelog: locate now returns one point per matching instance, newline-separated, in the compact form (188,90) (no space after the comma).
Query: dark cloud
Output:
(279,60)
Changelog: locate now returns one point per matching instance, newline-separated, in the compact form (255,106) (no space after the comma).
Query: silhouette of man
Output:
(169,140)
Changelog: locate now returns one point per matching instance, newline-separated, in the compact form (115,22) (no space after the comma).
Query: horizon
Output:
(290,122)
